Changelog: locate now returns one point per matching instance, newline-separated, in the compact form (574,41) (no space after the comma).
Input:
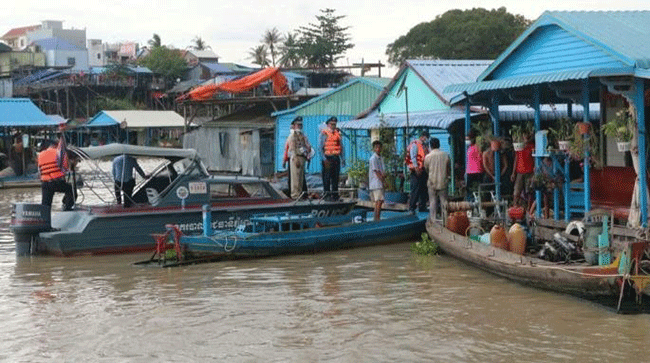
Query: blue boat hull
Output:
(399,228)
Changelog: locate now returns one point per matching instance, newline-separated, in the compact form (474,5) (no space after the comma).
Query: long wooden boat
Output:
(280,234)
(622,279)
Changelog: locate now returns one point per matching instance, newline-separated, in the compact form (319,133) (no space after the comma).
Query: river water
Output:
(377,304)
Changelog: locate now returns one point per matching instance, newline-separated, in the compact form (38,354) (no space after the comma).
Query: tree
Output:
(259,55)
(271,38)
(155,42)
(167,62)
(459,34)
(199,44)
(324,43)
(289,52)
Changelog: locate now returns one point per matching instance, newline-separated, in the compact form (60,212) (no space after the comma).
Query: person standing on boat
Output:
(299,150)
(376,176)
(417,150)
(524,167)
(123,166)
(52,170)
(331,147)
(438,165)
(287,165)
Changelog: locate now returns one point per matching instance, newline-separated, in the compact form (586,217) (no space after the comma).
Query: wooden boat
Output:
(625,278)
(287,233)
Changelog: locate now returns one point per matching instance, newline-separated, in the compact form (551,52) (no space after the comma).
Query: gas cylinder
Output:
(498,237)
(517,239)
(458,222)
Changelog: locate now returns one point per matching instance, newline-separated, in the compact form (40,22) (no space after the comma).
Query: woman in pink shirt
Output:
(474,168)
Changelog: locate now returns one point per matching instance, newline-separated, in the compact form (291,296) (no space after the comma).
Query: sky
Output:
(232,28)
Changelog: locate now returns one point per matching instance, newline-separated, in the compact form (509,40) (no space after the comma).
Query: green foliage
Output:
(483,132)
(426,247)
(113,104)
(322,44)
(259,55)
(518,132)
(581,143)
(199,44)
(165,61)
(620,126)
(564,129)
(393,162)
(289,51)
(271,39)
(358,172)
(155,41)
(459,34)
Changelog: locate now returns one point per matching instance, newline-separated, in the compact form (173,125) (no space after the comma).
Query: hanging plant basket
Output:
(518,146)
(583,127)
(623,146)
(563,145)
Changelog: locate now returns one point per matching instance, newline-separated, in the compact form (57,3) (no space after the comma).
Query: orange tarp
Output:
(241,85)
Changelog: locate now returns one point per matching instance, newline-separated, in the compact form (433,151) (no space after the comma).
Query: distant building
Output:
(61,54)
(96,54)
(17,38)
(194,57)
(54,29)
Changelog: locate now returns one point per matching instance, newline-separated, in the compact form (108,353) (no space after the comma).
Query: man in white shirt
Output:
(376,175)
(438,166)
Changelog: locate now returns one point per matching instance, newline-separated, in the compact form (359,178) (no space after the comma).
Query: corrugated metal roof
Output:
(622,34)
(441,119)
(439,74)
(206,53)
(515,82)
(22,112)
(350,98)
(216,67)
(137,119)
(518,113)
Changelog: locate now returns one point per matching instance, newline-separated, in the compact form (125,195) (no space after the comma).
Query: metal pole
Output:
(538,193)
(585,118)
(494,112)
(643,181)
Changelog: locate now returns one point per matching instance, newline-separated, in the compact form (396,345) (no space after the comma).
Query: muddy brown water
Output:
(377,304)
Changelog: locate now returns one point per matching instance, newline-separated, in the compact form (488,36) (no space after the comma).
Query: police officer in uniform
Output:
(331,146)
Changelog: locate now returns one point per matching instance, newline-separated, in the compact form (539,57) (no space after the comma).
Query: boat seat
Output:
(153,196)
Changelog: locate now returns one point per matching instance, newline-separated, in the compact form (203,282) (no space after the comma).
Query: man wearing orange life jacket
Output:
(331,147)
(53,178)
(416,152)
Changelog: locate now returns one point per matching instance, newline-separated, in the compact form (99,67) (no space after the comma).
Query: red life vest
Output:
(332,142)
(48,166)
(419,163)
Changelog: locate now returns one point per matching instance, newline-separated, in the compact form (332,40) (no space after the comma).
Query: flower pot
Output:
(495,145)
(563,145)
(583,127)
(518,146)
(623,146)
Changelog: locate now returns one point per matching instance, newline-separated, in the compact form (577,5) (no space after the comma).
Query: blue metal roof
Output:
(216,67)
(101,120)
(55,44)
(440,119)
(438,74)
(22,112)
(622,35)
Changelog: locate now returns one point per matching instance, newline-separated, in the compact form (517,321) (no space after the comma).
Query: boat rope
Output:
(224,245)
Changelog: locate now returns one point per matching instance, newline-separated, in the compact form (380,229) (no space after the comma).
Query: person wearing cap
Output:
(299,151)
(417,150)
(333,156)
(287,165)
(53,177)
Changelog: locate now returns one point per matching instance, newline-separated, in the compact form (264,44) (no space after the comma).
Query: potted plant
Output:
(518,134)
(483,132)
(620,127)
(394,165)
(563,133)
(582,142)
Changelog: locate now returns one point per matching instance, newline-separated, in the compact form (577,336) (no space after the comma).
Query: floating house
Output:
(151,128)
(344,102)
(577,57)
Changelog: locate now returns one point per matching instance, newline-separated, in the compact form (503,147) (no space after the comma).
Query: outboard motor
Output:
(27,221)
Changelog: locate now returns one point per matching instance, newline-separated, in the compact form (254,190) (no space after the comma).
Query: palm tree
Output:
(199,44)
(155,42)
(259,55)
(290,52)
(270,39)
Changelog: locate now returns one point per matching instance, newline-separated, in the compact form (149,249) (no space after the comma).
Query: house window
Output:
(71,61)
(99,56)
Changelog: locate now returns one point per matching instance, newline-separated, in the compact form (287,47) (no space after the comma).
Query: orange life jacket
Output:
(332,142)
(48,166)
(419,163)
